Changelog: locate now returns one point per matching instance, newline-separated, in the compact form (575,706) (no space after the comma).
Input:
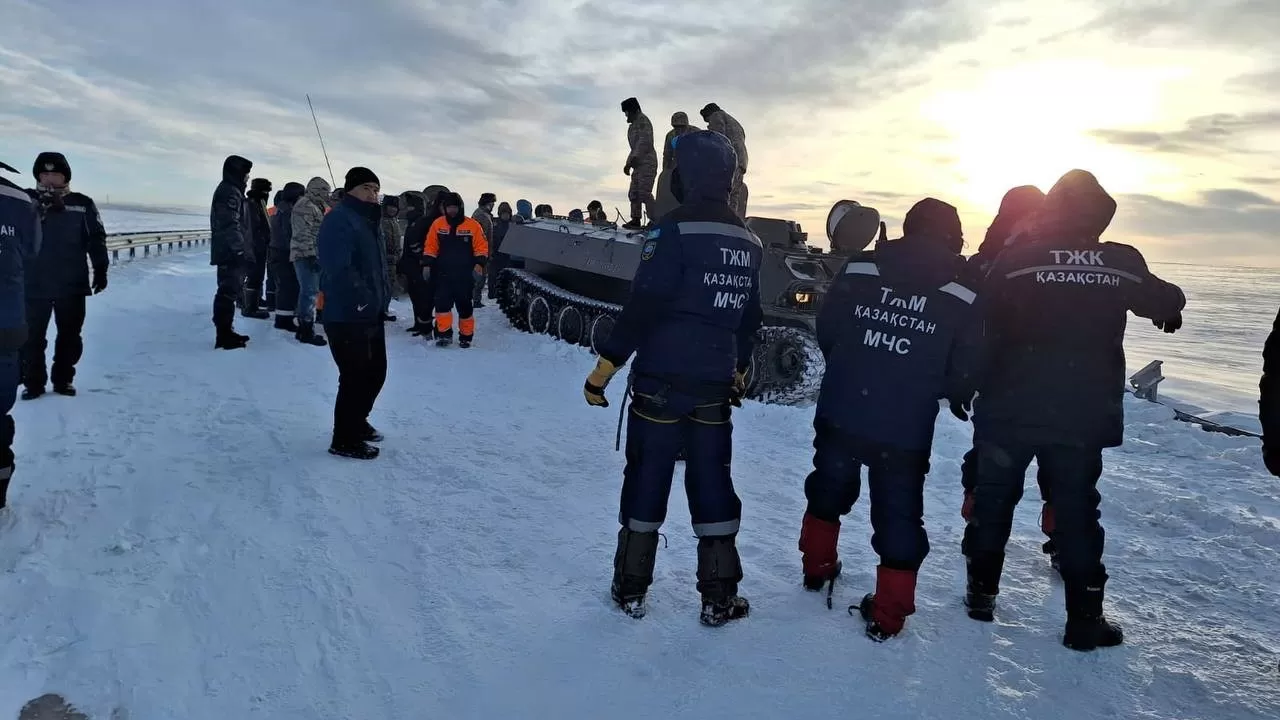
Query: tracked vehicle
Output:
(576,276)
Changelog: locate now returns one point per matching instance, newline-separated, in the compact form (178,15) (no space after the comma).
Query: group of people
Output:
(1032,326)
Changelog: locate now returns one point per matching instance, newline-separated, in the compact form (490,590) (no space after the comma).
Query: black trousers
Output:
(68,316)
(256,272)
(10,370)
(359,350)
(1071,475)
(421,296)
(230,288)
(286,287)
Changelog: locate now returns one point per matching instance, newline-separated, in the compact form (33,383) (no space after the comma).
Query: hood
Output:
(260,188)
(679,120)
(1076,209)
(631,108)
(935,219)
(917,263)
(504,207)
(290,193)
(1017,207)
(524,209)
(235,170)
(431,196)
(318,189)
(705,163)
(453,198)
(708,110)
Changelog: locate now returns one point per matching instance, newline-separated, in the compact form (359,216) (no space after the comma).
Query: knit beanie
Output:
(357,176)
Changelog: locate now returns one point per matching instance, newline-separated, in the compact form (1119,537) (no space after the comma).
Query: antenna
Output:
(322,148)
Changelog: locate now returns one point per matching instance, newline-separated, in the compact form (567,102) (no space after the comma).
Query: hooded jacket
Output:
(20,241)
(415,236)
(455,246)
(228,216)
(694,306)
(282,220)
(1055,311)
(1017,209)
(259,221)
(353,269)
(305,221)
(501,224)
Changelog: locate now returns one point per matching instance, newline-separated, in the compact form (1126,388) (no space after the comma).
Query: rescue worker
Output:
(892,320)
(393,243)
(642,163)
(304,222)
(230,249)
(679,127)
(690,322)
(484,215)
(260,234)
(722,122)
(498,260)
(353,277)
(57,278)
(281,268)
(20,235)
(596,214)
(421,292)
(1052,390)
(455,253)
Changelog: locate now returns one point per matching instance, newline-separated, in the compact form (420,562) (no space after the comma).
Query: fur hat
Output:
(51,162)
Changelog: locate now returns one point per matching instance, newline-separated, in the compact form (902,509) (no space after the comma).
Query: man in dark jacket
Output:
(1269,400)
(353,278)
(453,262)
(483,214)
(230,248)
(280,266)
(690,322)
(498,260)
(1052,389)
(890,324)
(421,292)
(260,234)
(58,278)
(20,240)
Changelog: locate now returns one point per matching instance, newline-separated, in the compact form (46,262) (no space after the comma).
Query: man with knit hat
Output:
(353,278)
(19,244)
(58,278)
(484,215)
(642,163)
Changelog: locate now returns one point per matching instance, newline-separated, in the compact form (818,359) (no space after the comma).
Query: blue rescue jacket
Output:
(353,262)
(889,328)
(20,240)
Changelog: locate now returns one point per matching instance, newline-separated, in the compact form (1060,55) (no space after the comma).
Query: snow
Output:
(180,545)
(121,221)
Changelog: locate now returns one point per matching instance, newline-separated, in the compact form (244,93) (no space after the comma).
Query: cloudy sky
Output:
(1174,104)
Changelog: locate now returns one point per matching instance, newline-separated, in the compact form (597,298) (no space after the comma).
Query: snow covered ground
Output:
(119,221)
(180,545)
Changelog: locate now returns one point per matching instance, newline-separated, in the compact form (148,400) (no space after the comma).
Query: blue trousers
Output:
(896,479)
(651,451)
(308,272)
(10,372)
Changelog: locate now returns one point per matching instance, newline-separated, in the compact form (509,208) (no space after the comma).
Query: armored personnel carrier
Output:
(577,275)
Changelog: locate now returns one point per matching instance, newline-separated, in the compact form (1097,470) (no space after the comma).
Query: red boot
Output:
(886,609)
(819,557)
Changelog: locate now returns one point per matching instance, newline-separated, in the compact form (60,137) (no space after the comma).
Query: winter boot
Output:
(443,339)
(388,317)
(464,341)
(719,572)
(286,322)
(370,433)
(65,389)
(1087,628)
(819,557)
(420,328)
(982,586)
(633,224)
(885,610)
(307,335)
(355,449)
(1046,527)
(228,339)
(33,392)
(633,564)
(252,308)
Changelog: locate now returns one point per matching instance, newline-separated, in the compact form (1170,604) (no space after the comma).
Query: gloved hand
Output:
(477,273)
(1271,457)
(99,280)
(1172,325)
(626,169)
(597,381)
(739,388)
(426,274)
(961,407)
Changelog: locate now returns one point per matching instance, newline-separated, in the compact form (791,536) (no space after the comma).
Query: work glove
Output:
(739,390)
(99,280)
(1271,457)
(1172,325)
(961,407)
(597,381)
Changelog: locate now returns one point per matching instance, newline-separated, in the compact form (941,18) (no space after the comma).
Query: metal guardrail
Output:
(1144,385)
(126,245)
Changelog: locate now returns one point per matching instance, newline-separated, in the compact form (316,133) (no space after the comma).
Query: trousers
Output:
(68,315)
(286,288)
(359,350)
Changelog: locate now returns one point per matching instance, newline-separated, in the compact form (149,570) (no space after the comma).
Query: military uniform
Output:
(642,163)
(690,323)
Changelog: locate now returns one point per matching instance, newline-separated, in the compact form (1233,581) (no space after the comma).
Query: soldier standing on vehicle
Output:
(642,163)
(722,122)
(690,322)
(679,126)
(20,234)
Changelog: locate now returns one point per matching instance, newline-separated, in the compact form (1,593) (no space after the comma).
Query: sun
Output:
(1030,124)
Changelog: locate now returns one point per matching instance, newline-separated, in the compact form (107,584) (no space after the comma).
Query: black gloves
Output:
(99,280)
(1172,325)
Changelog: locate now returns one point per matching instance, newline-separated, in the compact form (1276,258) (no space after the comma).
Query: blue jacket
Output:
(353,263)
(20,240)
(889,328)
(694,306)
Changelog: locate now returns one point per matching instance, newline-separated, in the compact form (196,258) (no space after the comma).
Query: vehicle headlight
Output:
(803,298)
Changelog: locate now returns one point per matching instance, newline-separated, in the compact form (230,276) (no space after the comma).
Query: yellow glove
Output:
(597,381)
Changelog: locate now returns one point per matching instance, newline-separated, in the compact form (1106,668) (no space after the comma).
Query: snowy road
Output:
(179,545)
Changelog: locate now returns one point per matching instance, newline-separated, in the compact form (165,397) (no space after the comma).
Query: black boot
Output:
(634,224)
(307,335)
(32,392)
(227,339)
(982,587)
(65,388)
(6,474)
(354,449)
(252,308)
(633,564)
(286,322)
(719,572)
(370,433)
(445,338)
(1087,628)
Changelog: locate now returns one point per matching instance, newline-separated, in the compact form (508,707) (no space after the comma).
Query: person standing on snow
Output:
(1052,390)
(892,320)
(20,241)
(281,268)
(353,277)
(260,235)
(484,215)
(229,248)
(498,260)
(690,322)
(722,122)
(57,279)
(421,291)
(454,257)
(308,213)
(679,127)
(642,162)
(393,241)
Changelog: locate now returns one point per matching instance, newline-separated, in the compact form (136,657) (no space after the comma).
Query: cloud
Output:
(1223,226)
(1204,135)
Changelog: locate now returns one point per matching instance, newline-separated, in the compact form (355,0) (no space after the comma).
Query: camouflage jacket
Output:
(308,213)
(392,236)
(724,123)
(668,157)
(640,140)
